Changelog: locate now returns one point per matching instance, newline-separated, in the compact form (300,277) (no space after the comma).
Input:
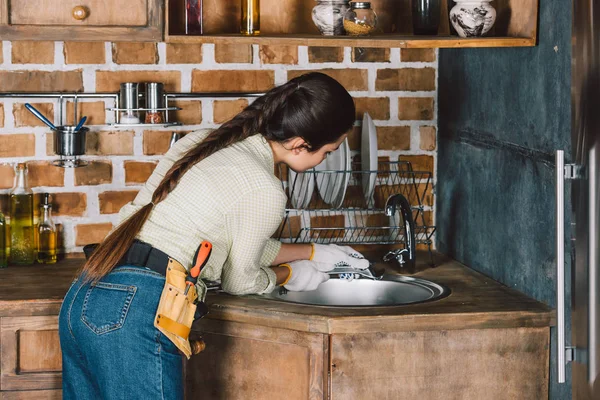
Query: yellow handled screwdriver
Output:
(201,258)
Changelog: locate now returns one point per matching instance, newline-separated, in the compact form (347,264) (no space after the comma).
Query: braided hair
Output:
(313,106)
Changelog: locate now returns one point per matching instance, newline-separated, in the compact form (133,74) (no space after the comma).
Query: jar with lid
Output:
(360,19)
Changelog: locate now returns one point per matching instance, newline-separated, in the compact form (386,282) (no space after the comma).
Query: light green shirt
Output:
(232,199)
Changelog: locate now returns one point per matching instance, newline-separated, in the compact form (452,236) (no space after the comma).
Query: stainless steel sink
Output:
(388,290)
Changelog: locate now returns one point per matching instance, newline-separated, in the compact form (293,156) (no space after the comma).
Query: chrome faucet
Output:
(404,257)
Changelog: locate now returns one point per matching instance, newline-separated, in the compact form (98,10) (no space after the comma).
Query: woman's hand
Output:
(332,254)
(304,276)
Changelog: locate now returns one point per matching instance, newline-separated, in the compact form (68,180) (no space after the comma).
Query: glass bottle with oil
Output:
(22,233)
(250,17)
(3,240)
(46,234)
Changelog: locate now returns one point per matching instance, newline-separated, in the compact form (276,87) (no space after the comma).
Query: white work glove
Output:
(332,254)
(304,276)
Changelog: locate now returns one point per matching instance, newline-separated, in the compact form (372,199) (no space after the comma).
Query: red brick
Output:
(184,53)
(109,143)
(393,137)
(190,113)
(416,55)
(84,53)
(224,110)
(134,53)
(364,54)
(111,202)
(41,81)
(351,79)
(233,53)
(95,173)
(1,56)
(428,138)
(232,81)
(157,142)
(24,117)
(7,176)
(419,162)
(43,173)
(70,204)
(137,172)
(91,233)
(95,111)
(1,108)
(415,108)
(317,54)
(377,107)
(109,81)
(278,54)
(17,145)
(407,79)
(32,52)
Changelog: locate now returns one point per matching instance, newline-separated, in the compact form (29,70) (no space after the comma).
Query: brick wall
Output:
(398,87)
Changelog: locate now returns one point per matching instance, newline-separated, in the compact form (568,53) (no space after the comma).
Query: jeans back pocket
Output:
(106,305)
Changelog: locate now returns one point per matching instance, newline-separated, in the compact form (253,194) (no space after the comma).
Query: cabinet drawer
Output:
(91,12)
(30,356)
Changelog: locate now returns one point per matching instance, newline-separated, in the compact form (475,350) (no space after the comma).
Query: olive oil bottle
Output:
(46,253)
(3,240)
(22,239)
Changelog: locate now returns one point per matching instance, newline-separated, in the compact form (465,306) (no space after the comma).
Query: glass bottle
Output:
(46,234)
(250,17)
(3,244)
(22,239)
(193,17)
(426,16)
(360,19)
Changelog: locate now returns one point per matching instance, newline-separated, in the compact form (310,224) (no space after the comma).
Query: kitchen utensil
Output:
(368,155)
(38,114)
(69,144)
(155,102)
(80,124)
(175,136)
(128,103)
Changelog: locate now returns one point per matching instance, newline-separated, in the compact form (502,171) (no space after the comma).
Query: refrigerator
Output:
(582,175)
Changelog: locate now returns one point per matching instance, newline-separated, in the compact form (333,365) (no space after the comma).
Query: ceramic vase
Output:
(328,16)
(472,18)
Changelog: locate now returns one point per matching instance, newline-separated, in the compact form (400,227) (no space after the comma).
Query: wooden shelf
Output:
(289,22)
(384,41)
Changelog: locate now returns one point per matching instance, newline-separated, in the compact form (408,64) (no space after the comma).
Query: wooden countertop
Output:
(476,302)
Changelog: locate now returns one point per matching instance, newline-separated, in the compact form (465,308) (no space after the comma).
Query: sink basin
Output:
(390,290)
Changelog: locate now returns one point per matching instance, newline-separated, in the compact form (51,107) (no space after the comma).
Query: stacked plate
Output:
(301,187)
(334,175)
(368,156)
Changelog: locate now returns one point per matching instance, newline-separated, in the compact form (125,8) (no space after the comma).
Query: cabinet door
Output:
(135,20)
(474,364)
(30,356)
(243,361)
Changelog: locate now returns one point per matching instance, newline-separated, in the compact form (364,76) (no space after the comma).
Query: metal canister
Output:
(129,102)
(155,102)
(68,142)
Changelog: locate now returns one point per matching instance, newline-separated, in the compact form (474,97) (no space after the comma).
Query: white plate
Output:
(346,176)
(300,188)
(329,182)
(368,155)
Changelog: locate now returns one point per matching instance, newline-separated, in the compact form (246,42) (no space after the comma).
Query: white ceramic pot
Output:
(472,18)
(328,16)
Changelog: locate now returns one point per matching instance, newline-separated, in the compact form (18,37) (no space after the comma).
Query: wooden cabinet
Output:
(135,20)
(245,361)
(30,357)
(289,22)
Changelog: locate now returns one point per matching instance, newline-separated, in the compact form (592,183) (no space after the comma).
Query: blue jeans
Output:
(110,347)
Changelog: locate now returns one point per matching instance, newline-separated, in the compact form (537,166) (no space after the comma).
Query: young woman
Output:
(217,186)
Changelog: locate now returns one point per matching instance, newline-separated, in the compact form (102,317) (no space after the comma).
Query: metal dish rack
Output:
(360,218)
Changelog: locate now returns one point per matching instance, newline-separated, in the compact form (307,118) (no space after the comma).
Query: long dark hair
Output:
(313,106)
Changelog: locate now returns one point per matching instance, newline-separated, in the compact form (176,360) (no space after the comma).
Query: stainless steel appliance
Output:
(583,174)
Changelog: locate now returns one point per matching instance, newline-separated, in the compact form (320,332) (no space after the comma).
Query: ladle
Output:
(38,114)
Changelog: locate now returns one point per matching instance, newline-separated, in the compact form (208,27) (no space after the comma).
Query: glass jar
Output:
(328,16)
(250,24)
(193,17)
(426,16)
(360,19)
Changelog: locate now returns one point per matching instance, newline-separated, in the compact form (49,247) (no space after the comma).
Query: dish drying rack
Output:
(360,218)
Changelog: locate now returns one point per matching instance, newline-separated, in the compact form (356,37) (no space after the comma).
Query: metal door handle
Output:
(560,262)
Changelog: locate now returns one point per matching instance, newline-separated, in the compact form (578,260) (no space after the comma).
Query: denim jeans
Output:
(110,347)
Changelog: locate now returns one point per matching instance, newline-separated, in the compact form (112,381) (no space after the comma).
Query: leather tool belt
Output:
(176,312)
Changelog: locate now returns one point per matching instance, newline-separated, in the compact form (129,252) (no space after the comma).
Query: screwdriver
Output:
(201,257)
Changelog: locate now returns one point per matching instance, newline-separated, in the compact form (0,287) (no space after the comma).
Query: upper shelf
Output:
(289,22)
